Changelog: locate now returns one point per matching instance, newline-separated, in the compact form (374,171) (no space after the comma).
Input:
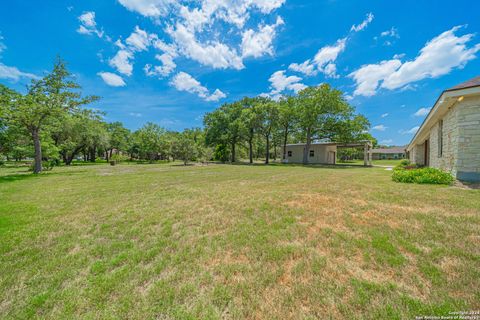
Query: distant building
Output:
(449,138)
(388,153)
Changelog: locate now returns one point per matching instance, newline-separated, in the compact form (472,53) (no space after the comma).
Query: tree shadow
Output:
(27,175)
(301,165)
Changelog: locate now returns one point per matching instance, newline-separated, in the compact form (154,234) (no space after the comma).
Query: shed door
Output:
(331,157)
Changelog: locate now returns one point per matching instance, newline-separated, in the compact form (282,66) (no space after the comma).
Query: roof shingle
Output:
(467,84)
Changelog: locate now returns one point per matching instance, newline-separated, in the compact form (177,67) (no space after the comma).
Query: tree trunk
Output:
(267,153)
(106,155)
(285,139)
(37,168)
(307,147)
(250,148)
(232,160)
(93,154)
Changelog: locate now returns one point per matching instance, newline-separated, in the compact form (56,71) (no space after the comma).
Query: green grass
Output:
(392,163)
(160,241)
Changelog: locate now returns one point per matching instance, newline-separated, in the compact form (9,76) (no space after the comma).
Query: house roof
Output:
(445,101)
(389,150)
(467,84)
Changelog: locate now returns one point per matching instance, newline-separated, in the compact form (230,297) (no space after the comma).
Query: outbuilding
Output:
(449,138)
(388,153)
(324,152)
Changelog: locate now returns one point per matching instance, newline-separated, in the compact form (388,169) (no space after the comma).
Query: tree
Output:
(82,131)
(151,141)
(119,138)
(320,110)
(268,115)
(225,126)
(250,119)
(46,99)
(287,116)
(184,147)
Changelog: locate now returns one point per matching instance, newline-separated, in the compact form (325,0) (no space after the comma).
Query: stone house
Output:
(449,137)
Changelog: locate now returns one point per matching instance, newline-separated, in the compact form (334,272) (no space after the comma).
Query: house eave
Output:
(445,102)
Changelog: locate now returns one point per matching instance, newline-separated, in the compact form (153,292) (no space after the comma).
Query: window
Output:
(440,138)
(312,153)
(289,153)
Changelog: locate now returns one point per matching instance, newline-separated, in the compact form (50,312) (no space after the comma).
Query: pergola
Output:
(367,147)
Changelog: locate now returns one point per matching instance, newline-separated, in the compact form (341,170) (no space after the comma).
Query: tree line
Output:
(51,124)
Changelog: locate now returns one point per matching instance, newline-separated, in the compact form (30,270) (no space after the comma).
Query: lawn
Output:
(391,163)
(221,241)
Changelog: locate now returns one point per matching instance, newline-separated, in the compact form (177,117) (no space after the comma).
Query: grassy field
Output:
(234,242)
(392,163)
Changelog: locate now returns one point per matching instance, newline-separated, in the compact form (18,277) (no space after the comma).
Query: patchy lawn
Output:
(220,241)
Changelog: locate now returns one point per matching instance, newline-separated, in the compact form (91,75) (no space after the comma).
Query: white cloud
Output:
(112,79)
(258,44)
(139,40)
(379,127)
(386,142)
(216,95)
(410,131)
(368,77)
(306,68)
(364,24)
(203,30)
(438,57)
(148,8)
(12,73)
(384,115)
(135,114)
(393,32)
(122,61)
(185,82)
(324,60)
(88,24)
(280,83)
(213,53)
(167,67)
(422,112)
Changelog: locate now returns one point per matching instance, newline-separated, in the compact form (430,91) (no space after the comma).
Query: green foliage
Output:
(118,157)
(422,176)
(220,153)
(184,147)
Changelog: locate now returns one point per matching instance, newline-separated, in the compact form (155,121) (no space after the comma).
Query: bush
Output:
(2,162)
(117,158)
(47,165)
(422,175)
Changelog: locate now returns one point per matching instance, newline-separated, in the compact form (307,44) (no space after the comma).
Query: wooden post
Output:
(370,153)
(365,154)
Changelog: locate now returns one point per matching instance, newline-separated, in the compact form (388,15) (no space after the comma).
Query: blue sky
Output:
(170,61)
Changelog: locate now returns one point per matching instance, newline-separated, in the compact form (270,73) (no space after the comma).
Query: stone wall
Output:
(468,160)
(446,161)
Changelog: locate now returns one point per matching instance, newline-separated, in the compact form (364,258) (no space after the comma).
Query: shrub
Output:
(2,162)
(422,175)
(47,165)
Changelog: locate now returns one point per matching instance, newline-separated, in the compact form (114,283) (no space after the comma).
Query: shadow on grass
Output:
(310,166)
(27,175)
